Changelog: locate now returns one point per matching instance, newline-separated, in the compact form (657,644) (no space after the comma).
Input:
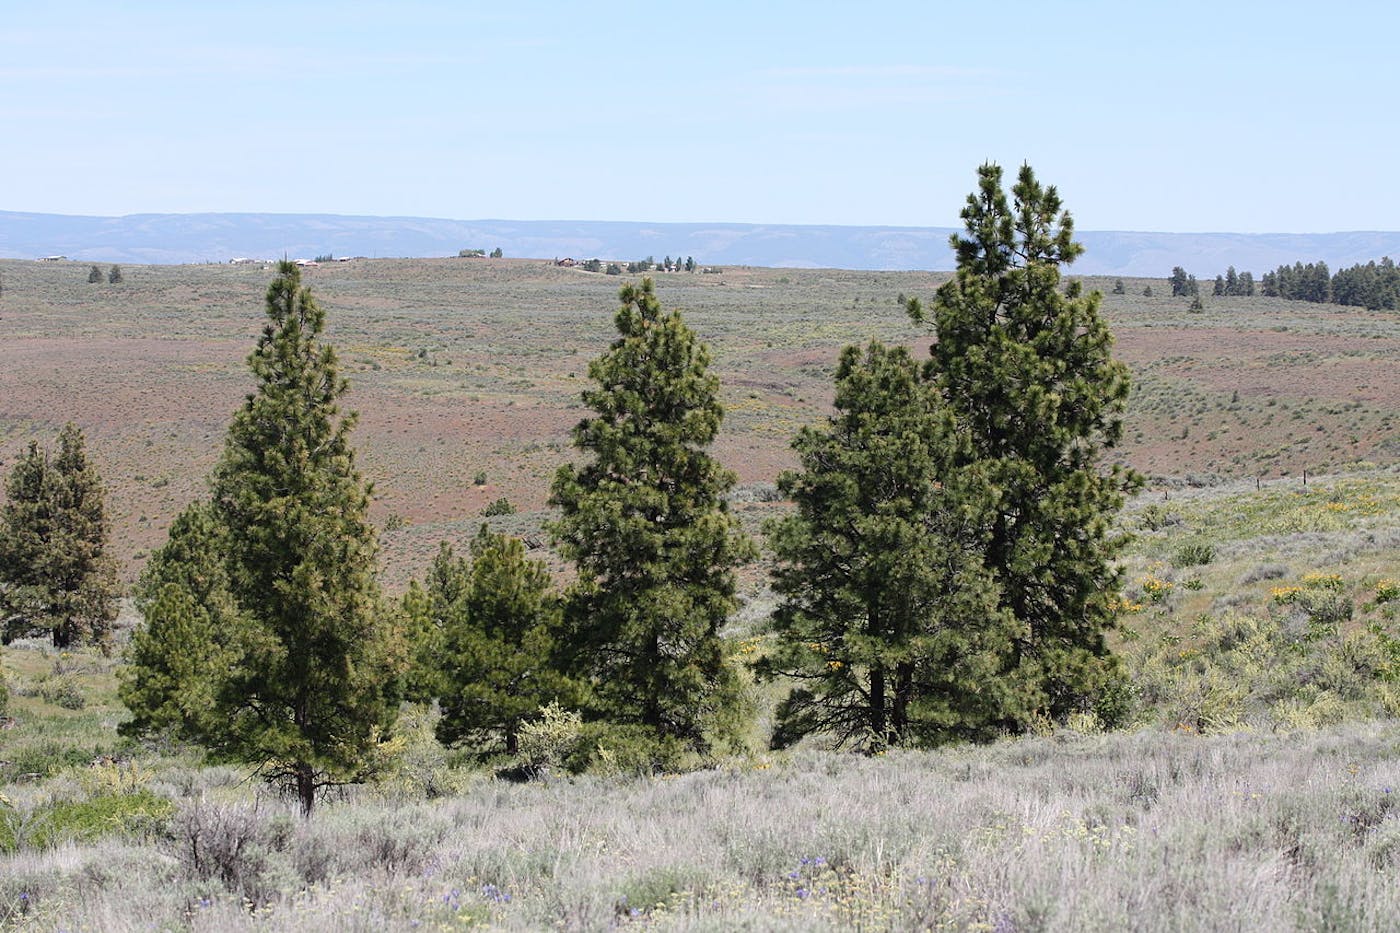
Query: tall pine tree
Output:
(316,662)
(1026,370)
(645,522)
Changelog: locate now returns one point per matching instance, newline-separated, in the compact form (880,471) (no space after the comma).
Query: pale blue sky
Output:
(1267,117)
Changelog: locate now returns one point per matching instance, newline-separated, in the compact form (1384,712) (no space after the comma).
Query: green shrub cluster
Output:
(1275,670)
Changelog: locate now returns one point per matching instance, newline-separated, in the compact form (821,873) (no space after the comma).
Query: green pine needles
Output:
(494,622)
(296,664)
(57,576)
(948,573)
(890,625)
(1025,367)
(645,522)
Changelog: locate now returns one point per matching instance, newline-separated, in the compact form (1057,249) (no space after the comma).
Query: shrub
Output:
(501,506)
(43,757)
(1194,554)
(479,479)
(1155,518)
(548,743)
(234,845)
(620,749)
(1263,572)
(139,813)
(1387,591)
(62,690)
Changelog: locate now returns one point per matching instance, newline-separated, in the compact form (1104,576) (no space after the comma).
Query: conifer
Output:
(889,624)
(1027,372)
(645,522)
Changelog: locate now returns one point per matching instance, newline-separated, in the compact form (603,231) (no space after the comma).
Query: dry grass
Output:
(1147,831)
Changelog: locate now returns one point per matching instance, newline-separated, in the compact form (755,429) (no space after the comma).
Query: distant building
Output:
(53,259)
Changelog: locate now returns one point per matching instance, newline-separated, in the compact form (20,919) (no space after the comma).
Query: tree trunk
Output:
(903,693)
(306,788)
(878,719)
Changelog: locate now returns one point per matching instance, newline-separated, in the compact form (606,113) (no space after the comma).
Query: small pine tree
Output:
(114,275)
(499,648)
(1180,281)
(26,530)
(190,636)
(316,691)
(1147,291)
(94,275)
(1119,288)
(56,571)
(646,524)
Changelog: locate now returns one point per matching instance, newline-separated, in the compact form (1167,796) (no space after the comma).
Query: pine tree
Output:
(114,275)
(26,530)
(425,607)
(645,522)
(56,573)
(316,690)
(1178,281)
(314,687)
(499,646)
(94,275)
(180,657)
(1026,371)
(889,621)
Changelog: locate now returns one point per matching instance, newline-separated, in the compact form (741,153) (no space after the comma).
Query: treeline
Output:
(640,266)
(1184,285)
(1375,285)
(948,572)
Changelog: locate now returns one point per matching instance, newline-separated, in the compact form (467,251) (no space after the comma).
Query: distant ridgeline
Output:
(1375,285)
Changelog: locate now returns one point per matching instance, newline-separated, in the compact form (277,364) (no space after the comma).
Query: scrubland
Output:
(1253,788)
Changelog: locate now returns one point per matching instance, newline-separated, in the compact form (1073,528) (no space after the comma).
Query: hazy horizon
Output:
(1207,119)
(1079,228)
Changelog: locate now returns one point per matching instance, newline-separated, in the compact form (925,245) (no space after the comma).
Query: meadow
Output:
(1254,787)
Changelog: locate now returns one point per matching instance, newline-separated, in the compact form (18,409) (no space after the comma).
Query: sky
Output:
(1181,117)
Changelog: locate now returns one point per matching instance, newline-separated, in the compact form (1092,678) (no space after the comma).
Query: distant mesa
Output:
(202,238)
